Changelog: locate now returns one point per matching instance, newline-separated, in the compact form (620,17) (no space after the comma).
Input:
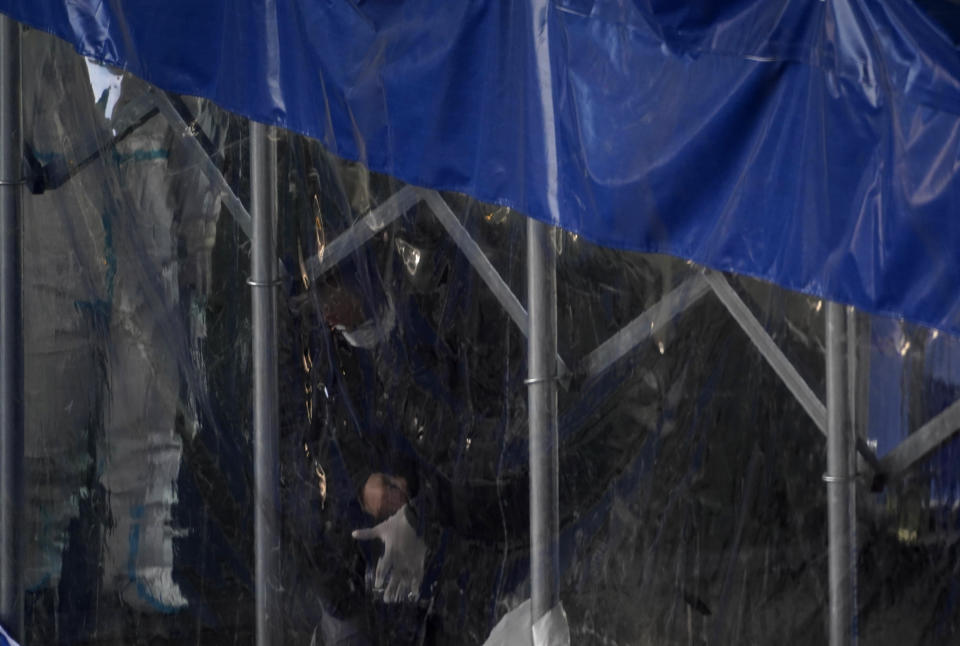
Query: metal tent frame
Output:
(11,329)
(834,418)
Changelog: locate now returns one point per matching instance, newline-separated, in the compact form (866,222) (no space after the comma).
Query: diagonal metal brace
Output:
(923,441)
(641,328)
(779,362)
(396,206)
(206,165)
(477,258)
(488,273)
(362,230)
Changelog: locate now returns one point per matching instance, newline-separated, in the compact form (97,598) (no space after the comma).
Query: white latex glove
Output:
(400,569)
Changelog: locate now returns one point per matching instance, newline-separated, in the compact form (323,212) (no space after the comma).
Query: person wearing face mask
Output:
(408,498)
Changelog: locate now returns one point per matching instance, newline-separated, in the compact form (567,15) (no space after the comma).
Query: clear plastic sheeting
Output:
(551,629)
(515,629)
(691,495)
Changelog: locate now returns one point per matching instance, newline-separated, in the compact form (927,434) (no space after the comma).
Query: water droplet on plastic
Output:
(904,346)
(498,215)
(409,254)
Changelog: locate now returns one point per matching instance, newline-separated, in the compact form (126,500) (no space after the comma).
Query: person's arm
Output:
(482,511)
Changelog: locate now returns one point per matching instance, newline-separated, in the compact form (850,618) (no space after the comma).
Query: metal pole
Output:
(266,420)
(542,394)
(11,332)
(857,405)
(840,482)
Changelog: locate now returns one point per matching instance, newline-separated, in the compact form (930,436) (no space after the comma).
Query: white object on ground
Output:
(514,628)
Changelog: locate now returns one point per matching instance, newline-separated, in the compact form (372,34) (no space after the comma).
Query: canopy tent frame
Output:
(912,449)
(840,479)
(266,408)
(828,418)
(541,382)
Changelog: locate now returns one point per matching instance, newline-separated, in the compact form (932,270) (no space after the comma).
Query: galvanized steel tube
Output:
(839,479)
(11,331)
(266,420)
(542,397)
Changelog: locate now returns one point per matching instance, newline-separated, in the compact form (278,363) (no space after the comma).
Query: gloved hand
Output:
(400,569)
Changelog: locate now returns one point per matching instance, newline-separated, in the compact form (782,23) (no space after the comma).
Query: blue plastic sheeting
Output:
(813,144)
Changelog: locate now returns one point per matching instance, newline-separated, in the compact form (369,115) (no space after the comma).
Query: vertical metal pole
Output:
(542,394)
(840,482)
(11,332)
(858,378)
(858,344)
(266,420)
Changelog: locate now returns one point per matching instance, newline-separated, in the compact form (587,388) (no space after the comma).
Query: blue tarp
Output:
(813,144)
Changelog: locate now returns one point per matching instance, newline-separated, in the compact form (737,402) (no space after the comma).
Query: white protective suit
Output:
(107,337)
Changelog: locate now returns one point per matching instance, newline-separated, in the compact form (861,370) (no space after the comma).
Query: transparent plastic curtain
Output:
(692,504)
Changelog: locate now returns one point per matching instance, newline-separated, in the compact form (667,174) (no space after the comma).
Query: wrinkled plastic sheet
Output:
(515,628)
(812,144)
(692,505)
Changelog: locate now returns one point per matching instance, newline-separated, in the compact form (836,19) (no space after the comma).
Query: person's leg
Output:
(60,388)
(60,415)
(143,451)
(140,472)
(63,308)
